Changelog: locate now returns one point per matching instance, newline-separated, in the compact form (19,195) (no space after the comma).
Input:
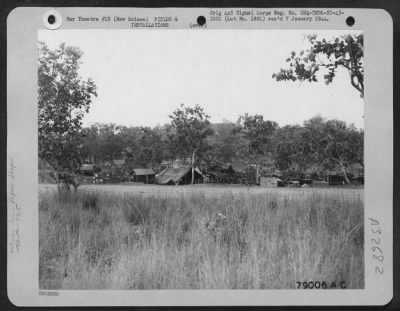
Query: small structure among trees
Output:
(353,173)
(270,182)
(144,175)
(88,170)
(180,176)
(236,172)
(243,172)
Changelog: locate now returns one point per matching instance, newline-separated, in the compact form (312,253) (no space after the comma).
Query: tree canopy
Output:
(64,99)
(258,134)
(319,145)
(191,127)
(345,51)
(313,147)
(316,145)
(224,146)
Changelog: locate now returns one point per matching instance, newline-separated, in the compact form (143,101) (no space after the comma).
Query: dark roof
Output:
(143,171)
(172,175)
(87,167)
(218,174)
(106,170)
(270,177)
(119,162)
(239,166)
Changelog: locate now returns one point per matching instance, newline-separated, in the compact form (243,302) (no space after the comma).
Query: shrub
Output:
(136,211)
(90,201)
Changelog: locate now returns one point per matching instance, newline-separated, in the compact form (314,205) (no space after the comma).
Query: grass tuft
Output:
(90,201)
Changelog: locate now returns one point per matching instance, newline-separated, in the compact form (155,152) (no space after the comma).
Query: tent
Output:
(243,172)
(179,176)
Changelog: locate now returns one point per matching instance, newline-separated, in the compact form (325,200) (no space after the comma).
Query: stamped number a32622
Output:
(376,245)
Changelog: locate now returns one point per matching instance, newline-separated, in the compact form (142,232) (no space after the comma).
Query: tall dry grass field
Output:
(234,240)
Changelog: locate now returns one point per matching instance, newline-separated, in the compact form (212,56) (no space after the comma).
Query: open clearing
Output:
(200,237)
(207,189)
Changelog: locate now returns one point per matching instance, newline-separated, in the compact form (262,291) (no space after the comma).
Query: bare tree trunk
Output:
(65,185)
(54,175)
(346,178)
(257,175)
(193,154)
(59,186)
(75,182)
(65,181)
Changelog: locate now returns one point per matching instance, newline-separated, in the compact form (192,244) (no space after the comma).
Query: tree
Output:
(223,145)
(342,144)
(138,146)
(128,138)
(64,98)
(292,153)
(346,51)
(336,144)
(90,150)
(150,152)
(319,145)
(105,142)
(259,134)
(191,127)
(111,144)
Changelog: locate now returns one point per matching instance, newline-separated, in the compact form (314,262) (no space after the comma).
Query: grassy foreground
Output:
(100,240)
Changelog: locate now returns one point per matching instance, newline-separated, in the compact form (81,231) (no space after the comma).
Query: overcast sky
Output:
(143,75)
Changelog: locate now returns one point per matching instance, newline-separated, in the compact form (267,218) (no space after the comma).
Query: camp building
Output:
(179,176)
(144,175)
(88,169)
(355,172)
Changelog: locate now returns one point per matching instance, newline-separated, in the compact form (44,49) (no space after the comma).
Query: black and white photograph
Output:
(201,160)
(200,157)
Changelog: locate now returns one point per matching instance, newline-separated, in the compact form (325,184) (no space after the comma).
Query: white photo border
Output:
(22,164)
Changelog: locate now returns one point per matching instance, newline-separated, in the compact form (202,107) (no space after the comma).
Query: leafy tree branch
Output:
(346,52)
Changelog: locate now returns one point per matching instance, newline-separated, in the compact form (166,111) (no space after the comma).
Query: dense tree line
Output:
(318,144)
(315,146)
